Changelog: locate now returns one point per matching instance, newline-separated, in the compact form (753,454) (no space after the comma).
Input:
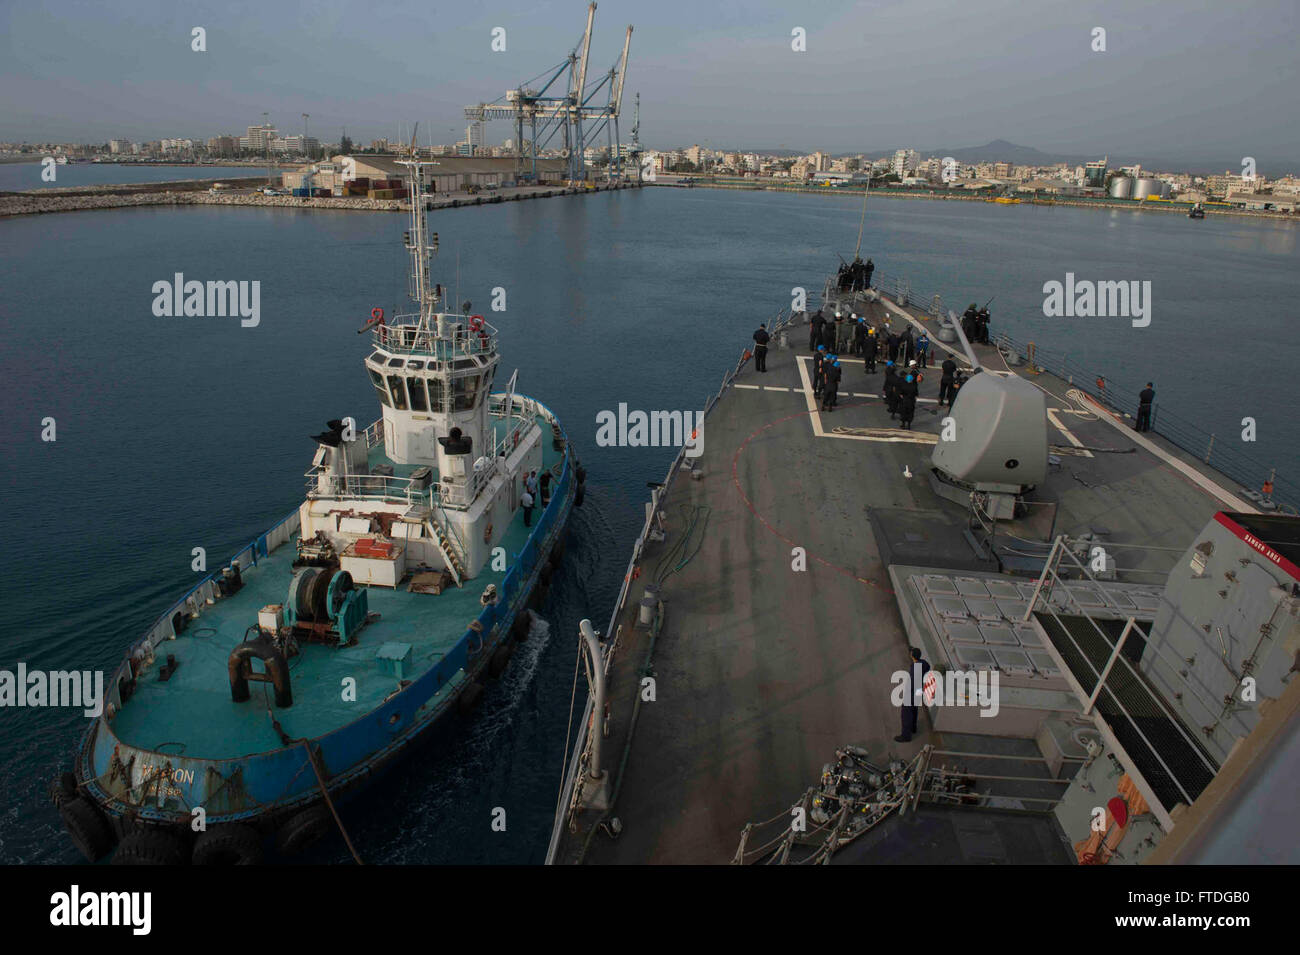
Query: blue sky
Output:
(1191,81)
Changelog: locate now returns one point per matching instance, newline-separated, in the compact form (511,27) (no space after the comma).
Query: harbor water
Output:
(25,176)
(177,433)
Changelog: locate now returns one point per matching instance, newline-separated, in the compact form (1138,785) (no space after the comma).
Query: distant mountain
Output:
(1002,151)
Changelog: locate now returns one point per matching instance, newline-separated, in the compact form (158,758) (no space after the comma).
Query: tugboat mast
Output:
(421,290)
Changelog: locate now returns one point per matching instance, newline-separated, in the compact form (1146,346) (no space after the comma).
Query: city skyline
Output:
(79,74)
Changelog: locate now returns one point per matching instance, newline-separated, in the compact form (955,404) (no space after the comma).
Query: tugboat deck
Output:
(763,671)
(192,714)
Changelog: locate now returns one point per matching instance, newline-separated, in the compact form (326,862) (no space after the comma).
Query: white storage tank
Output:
(1146,187)
(1121,187)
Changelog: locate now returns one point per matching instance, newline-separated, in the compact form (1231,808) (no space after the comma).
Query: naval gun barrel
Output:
(961,337)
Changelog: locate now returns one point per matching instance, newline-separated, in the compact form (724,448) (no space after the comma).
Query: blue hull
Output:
(265,789)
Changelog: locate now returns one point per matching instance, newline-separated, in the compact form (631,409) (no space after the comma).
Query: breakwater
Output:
(199,194)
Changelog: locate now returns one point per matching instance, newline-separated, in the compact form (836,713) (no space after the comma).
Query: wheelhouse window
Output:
(437,402)
(416,388)
(464,392)
(399,392)
(378,381)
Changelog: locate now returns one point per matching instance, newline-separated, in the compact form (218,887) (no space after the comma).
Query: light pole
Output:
(305,117)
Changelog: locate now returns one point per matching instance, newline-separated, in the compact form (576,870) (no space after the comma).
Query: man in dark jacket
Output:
(866,273)
(891,388)
(831,392)
(1146,398)
(946,390)
(815,326)
(761,338)
(819,360)
(907,394)
(915,695)
(870,346)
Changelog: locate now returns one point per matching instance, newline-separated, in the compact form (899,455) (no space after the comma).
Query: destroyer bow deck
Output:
(764,668)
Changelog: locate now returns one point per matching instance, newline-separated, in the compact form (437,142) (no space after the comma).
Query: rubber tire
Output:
(63,789)
(500,660)
(304,829)
(577,496)
(89,831)
(523,623)
(232,844)
(469,698)
(150,847)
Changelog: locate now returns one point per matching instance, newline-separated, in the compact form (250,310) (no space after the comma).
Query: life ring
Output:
(487,533)
(377,314)
(476,323)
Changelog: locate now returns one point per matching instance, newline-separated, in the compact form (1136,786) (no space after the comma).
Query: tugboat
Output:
(334,642)
(1196,212)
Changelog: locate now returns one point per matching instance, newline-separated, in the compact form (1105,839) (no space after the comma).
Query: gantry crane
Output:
(572,116)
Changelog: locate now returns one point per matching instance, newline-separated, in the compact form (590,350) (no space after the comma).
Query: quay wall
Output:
(1176,206)
(46,201)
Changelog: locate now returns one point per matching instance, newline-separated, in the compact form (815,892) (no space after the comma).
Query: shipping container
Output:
(302,193)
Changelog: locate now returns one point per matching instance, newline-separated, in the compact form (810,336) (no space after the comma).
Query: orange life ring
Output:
(377,315)
(476,323)
(487,534)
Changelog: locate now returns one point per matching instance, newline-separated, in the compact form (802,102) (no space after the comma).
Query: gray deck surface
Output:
(762,671)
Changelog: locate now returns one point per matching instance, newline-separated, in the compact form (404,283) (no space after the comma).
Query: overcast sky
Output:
(1190,82)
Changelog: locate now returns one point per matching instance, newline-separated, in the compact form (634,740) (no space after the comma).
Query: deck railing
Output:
(1121,396)
(405,336)
(1117,395)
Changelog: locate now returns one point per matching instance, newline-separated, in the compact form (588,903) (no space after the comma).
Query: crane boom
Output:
(622,71)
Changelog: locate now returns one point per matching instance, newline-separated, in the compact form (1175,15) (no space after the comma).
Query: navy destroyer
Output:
(1113,626)
(336,641)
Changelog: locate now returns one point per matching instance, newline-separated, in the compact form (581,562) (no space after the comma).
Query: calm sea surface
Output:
(21,176)
(175,433)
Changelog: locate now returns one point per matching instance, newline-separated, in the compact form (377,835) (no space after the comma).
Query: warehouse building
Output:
(451,174)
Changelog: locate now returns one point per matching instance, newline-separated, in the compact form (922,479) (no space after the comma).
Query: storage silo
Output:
(1146,187)
(1121,187)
